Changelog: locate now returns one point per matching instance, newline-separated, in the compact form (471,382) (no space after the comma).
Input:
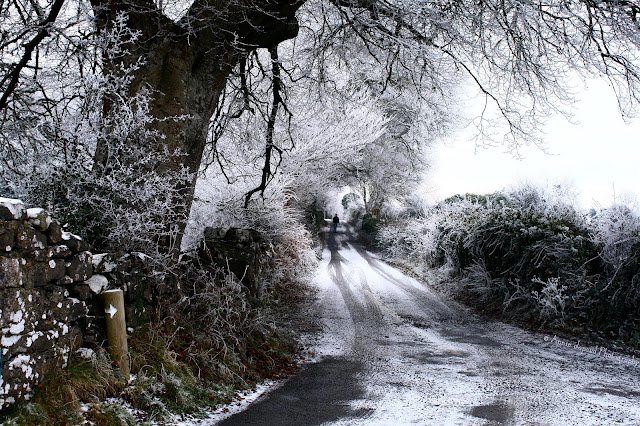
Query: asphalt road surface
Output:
(393,352)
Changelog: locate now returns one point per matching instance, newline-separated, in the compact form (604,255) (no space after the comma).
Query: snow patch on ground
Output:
(37,215)
(101,260)
(34,212)
(69,236)
(239,404)
(339,331)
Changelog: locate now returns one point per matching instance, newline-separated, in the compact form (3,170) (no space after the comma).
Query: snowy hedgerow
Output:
(274,215)
(529,254)
(615,299)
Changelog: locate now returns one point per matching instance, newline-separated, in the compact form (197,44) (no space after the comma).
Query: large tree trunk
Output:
(186,65)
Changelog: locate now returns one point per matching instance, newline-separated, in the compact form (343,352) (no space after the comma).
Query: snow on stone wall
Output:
(43,315)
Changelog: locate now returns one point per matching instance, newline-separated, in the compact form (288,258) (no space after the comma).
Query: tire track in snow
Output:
(365,311)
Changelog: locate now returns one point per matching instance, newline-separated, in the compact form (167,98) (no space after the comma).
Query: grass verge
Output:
(180,366)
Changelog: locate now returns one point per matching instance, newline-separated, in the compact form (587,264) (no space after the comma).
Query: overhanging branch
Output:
(270,146)
(14,75)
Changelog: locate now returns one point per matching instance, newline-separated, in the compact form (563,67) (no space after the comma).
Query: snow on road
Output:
(394,352)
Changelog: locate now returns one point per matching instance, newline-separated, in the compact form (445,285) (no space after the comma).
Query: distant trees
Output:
(181,60)
(392,165)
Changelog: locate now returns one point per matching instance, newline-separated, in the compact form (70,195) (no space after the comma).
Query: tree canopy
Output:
(101,85)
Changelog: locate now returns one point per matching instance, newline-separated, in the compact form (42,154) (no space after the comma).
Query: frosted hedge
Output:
(530,256)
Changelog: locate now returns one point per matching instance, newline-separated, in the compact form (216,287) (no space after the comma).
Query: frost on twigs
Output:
(104,170)
(127,199)
(551,298)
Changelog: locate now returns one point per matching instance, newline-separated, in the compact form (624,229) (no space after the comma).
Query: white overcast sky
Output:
(599,153)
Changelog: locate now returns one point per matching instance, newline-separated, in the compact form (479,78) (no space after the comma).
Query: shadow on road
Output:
(319,393)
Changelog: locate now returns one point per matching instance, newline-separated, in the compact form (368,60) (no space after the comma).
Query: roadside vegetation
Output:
(528,255)
(216,343)
(201,348)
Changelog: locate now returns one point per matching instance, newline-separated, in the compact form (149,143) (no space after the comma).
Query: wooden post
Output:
(117,330)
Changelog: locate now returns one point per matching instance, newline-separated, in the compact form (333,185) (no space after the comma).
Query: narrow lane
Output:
(394,352)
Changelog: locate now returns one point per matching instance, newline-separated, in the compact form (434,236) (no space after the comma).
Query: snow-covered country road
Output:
(393,352)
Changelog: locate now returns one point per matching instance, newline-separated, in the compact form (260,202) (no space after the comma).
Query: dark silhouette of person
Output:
(336,221)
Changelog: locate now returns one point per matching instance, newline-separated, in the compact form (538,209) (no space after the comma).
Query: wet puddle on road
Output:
(471,335)
(498,411)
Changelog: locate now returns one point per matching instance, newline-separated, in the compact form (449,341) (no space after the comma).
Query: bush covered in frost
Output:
(529,255)
(276,216)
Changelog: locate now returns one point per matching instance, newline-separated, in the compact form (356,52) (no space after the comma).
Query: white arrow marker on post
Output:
(111,311)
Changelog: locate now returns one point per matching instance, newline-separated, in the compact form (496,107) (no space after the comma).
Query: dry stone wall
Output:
(51,286)
(43,270)
(242,252)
